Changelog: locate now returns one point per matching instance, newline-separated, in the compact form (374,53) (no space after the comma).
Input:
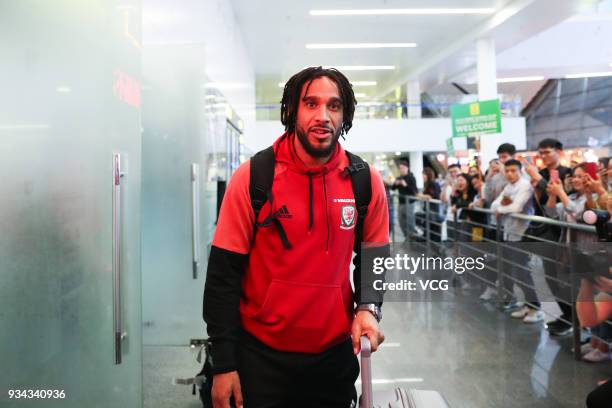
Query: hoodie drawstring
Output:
(310,199)
(326,216)
(311,208)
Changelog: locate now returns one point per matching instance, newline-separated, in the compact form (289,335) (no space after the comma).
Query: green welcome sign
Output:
(473,119)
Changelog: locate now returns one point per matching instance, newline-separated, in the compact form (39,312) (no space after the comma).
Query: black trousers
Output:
(517,270)
(557,277)
(270,378)
(601,396)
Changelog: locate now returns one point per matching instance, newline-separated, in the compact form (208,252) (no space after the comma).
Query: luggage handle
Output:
(366,400)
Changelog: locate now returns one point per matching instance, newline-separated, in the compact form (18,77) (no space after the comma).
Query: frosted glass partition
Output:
(70,99)
(173,132)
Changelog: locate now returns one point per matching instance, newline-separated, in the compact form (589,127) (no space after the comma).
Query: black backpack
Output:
(260,189)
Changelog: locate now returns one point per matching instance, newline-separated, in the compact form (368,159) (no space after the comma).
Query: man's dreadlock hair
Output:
(293,88)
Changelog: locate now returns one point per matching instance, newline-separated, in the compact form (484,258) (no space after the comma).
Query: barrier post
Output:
(427,226)
(573,295)
(393,201)
(499,261)
(456,234)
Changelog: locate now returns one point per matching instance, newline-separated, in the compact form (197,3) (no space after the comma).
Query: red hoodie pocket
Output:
(302,317)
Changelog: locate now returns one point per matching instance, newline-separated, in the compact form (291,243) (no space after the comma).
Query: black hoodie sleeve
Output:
(226,266)
(375,244)
(221,306)
(364,275)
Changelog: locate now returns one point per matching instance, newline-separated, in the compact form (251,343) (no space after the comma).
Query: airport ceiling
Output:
(276,33)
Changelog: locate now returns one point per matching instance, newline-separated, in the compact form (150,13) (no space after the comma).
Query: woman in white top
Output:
(587,193)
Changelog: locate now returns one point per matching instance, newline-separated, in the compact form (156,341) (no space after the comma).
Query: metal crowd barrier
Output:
(430,233)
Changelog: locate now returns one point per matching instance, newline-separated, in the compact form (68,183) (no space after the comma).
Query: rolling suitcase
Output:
(396,398)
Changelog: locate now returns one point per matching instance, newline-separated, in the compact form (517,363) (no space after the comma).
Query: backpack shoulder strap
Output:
(261,178)
(359,171)
(260,189)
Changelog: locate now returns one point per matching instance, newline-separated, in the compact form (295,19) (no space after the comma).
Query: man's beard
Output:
(314,151)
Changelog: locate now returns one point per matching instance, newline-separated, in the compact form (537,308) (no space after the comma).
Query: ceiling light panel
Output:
(520,79)
(362,67)
(412,11)
(359,45)
(589,75)
(354,83)
(363,83)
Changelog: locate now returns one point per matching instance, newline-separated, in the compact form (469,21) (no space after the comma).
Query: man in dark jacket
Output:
(550,150)
(406,186)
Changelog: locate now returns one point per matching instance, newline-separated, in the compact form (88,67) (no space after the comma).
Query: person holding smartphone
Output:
(570,207)
(550,151)
(594,184)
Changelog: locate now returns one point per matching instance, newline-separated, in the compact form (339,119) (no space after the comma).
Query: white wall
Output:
(390,135)
(212,23)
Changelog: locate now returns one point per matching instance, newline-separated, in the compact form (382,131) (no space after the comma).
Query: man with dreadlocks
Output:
(281,313)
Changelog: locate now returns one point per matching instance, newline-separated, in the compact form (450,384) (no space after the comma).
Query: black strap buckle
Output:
(354,168)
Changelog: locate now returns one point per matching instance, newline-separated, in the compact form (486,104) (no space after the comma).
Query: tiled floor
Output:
(473,354)
(479,357)
(161,365)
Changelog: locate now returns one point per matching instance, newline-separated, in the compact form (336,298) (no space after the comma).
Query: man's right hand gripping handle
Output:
(225,386)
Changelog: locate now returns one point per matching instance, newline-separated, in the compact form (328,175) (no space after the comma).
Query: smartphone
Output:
(554,176)
(591,170)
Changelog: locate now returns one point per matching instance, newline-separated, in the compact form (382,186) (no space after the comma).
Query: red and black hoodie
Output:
(295,299)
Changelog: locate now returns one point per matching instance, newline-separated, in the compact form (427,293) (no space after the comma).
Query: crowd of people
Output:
(513,184)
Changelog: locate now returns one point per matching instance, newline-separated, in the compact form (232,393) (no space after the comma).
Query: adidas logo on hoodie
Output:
(282,212)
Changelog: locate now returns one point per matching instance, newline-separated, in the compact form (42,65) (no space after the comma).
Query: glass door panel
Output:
(70,100)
